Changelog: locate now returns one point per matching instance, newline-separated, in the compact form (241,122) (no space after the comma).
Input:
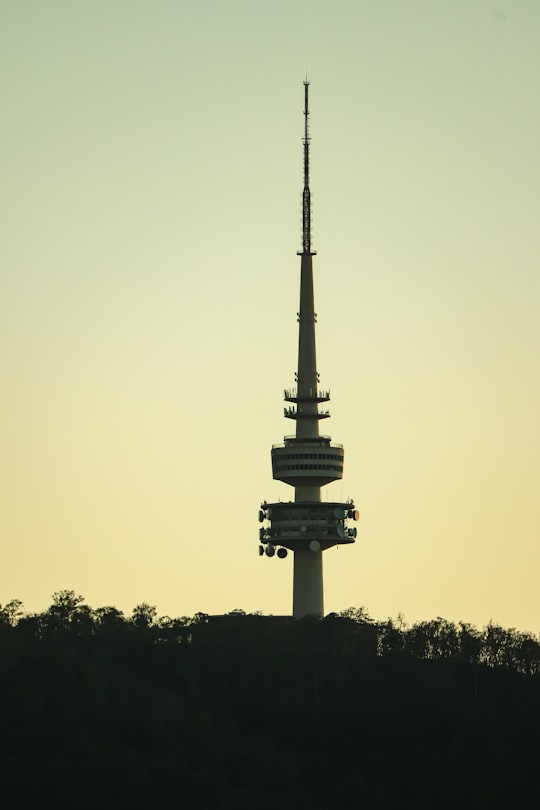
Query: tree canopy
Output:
(243,710)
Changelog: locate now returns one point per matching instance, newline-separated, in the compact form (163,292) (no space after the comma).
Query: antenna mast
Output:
(306,197)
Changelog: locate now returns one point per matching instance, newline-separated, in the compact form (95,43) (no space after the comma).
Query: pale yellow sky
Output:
(151,164)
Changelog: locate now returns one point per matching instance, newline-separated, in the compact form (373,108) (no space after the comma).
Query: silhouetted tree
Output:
(143,616)
(470,641)
(11,613)
(67,616)
(391,639)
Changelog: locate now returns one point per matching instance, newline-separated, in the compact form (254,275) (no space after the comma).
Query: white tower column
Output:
(308,599)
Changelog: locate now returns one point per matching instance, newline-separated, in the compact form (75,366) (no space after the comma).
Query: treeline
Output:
(243,711)
(437,639)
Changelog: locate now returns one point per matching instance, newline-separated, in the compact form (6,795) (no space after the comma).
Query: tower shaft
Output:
(308,590)
(307,377)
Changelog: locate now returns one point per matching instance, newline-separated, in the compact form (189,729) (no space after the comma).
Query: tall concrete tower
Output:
(308,460)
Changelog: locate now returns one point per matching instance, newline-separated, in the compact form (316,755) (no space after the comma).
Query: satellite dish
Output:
(352,532)
(261,515)
(282,553)
(261,551)
(270,550)
(261,534)
(314,545)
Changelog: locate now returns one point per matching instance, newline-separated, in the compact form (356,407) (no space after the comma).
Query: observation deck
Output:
(301,462)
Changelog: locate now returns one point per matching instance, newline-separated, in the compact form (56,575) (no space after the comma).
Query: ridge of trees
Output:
(437,639)
(243,711)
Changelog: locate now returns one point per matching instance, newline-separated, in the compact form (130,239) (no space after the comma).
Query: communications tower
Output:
(308,460)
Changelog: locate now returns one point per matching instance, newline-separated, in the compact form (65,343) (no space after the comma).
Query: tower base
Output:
(308,584)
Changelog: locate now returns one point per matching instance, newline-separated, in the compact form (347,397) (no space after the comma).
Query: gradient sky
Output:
(151,214)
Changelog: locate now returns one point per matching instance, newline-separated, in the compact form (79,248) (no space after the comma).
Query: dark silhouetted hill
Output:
(243,711)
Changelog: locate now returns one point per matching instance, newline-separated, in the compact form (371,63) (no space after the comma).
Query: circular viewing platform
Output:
(307,463)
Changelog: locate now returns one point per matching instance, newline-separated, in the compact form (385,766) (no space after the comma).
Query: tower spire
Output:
(306,461)
(306,197)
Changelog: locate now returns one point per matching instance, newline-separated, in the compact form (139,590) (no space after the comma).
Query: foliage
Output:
(250,711)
